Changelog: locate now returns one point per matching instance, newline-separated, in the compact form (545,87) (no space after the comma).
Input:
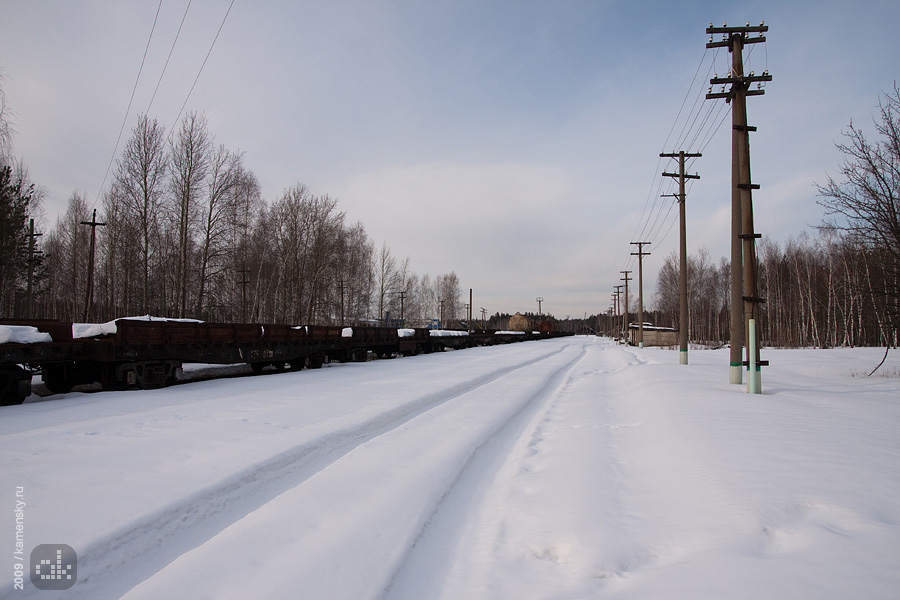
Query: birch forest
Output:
(183,232)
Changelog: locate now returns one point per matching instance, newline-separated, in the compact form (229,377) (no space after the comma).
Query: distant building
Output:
(653,335)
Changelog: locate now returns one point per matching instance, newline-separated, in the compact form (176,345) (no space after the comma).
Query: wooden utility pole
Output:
(243,283)
(682,275)
(89,295)
(743,237)
(626,279)
(342,302)
(539,299)
(640,254)
(616,296)
(29,307)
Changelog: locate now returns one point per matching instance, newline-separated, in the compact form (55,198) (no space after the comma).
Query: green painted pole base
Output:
(683,357)
(735,374)
(754,378)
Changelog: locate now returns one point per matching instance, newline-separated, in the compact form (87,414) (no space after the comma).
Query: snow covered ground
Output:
(569,468)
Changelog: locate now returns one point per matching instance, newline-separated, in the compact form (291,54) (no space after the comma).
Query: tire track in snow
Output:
(345,532)
(116,563)
(424,566)
(523,511)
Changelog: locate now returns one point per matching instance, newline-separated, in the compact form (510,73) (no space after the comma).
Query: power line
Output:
(172,49)
(698,100)
(699,123)
(191,91)
(686,95)
(128,110)
(656,178)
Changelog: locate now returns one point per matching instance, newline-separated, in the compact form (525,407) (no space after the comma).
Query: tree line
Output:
(820,290)
(183,231)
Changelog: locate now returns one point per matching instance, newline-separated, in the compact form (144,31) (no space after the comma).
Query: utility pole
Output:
(626,279)
(539,299)
(743,237)
(483,318)
(640,254)
(243,283)
(342,302)
(402,297)
(89,295)
(469,317)
(682,278)
(442,313)
(616,303)
(31,260)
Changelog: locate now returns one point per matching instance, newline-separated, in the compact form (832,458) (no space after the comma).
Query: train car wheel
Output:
(15,385)
(109,379)
(56,378)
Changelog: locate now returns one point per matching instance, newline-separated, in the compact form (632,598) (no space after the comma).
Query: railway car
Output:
(148,353)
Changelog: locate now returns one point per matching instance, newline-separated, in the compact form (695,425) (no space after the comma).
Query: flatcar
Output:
(148,353)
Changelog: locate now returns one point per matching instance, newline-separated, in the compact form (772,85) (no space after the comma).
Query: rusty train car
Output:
(149,354)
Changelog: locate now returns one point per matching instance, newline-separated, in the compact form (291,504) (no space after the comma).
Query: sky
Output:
(515,143)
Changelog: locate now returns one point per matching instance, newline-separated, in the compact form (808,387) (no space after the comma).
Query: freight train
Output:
(148,353)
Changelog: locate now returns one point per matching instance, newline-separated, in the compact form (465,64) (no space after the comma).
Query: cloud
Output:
(512,142)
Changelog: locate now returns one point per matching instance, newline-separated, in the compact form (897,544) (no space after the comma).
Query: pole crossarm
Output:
(748,28)
(678,154)
(743,82)
(744,31)
(686,176)
(745,79)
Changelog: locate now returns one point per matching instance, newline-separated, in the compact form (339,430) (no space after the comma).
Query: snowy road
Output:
(565,468)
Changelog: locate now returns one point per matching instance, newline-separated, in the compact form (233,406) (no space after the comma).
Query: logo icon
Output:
(53,567)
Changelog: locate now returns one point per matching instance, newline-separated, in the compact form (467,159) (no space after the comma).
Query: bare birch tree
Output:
(141,177)
(189,165)
(221,186)
(865,203)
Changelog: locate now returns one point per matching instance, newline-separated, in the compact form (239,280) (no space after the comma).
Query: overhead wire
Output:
(656,213)
(671,129)
(169,57)
(200,71)
(128,110)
